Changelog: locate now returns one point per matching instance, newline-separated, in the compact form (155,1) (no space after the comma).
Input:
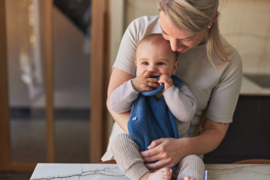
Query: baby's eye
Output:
(145,63)
(160,63)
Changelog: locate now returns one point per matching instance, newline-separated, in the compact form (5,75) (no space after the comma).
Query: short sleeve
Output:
(126,54)
(225,94)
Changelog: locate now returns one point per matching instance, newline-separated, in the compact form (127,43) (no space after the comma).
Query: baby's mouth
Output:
(151,76)
(154,76)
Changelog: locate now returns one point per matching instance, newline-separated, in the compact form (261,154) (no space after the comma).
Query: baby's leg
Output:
(190,166)
(127,156)
(129,160)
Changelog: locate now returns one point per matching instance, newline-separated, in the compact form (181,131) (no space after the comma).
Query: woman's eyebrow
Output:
(178,39)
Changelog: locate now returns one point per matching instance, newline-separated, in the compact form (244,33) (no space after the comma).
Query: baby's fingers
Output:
(152,80)
(153,84)
(146,73)
(148,88)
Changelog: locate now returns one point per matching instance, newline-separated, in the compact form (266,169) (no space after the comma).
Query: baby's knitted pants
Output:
(128,158)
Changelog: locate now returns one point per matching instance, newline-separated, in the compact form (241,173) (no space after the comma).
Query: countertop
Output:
(251,88)
(111,171)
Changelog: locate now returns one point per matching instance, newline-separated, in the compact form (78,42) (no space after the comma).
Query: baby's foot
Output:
(162,174)
(188,178)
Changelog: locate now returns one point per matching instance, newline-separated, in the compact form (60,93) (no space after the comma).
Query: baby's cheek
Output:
(168,71)
(140,72)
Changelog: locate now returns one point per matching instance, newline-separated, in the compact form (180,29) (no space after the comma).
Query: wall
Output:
(117,27)
(139,8)
(246,25)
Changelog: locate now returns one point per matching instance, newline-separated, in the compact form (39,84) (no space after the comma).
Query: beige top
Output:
(216,90)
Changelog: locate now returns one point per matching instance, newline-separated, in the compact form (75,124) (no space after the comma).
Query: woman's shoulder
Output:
(143,26)
(231,69)
(234,56)
(234,63)
(145,21)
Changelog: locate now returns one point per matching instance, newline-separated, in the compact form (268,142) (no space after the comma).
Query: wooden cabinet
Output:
(248,137)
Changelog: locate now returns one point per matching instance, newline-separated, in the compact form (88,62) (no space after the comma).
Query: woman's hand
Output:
(166,151)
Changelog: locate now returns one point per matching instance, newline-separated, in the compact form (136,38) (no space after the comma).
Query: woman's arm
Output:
(118,77)
(210,138)
(169,151)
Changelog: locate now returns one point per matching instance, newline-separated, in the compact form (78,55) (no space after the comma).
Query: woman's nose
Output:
(174,44)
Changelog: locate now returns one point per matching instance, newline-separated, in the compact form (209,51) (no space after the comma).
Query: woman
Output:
(209,66)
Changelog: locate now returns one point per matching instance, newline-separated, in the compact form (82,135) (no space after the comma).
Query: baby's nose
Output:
(151,68)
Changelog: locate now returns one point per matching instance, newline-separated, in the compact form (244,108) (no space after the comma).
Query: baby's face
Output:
(156,58)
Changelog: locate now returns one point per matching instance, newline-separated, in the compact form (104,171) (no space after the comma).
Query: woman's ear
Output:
(135,62)
(213,20)
(175,66)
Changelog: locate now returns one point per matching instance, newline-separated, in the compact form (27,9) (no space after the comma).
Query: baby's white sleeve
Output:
(122,97)
(181,102)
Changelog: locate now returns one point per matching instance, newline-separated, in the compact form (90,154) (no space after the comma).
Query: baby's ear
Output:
(176,65)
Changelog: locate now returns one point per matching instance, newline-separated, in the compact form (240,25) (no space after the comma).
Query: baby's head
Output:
(154,54)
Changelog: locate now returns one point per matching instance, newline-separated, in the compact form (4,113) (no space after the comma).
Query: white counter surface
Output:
(250,88)
(111,171)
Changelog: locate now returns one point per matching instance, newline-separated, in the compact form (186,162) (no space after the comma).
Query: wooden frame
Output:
(48,5)
(99,118)
(253,161)
(107,67)
(6,163)
(99,80)
(5,150)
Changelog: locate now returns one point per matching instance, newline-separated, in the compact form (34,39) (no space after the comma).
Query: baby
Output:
(154,58)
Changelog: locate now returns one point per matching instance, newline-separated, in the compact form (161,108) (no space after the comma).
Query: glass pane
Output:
(26,82)
(25,35)
(71,80)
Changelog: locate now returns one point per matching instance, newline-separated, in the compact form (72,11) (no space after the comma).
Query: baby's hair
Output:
(157,38)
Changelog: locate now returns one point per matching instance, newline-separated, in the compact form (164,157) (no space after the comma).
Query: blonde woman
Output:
(209,66)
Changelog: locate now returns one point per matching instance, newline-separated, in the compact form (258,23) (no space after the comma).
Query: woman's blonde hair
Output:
(195,16)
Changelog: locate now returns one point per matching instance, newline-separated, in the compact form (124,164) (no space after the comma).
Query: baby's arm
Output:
(122,97)
(181,102)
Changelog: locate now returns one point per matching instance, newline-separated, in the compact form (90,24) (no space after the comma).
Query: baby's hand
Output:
(168,82)
(143,83)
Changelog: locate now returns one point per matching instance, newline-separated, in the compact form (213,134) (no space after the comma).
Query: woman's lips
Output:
(181,49)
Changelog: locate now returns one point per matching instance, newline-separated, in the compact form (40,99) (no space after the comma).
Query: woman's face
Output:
(180,40)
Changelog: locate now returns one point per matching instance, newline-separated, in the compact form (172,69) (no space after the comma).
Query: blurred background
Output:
(25,44)
(244,24)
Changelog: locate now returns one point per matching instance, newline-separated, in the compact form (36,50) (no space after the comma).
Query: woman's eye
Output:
(187,40)
(164,34)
